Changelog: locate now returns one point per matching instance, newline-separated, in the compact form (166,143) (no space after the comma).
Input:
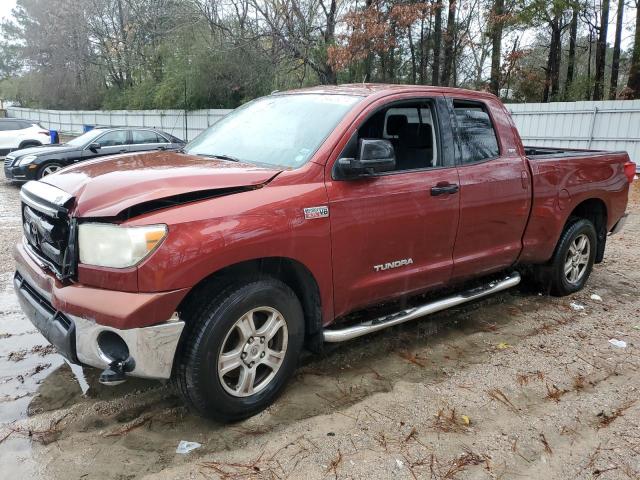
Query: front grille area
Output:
(8,161)
(47,236)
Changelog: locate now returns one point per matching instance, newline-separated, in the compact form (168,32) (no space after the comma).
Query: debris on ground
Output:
(503,346)
(578,307)
(185,447)
(596,297)
(618,343)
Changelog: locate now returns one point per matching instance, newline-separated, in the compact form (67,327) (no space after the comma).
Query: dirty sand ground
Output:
(545,393)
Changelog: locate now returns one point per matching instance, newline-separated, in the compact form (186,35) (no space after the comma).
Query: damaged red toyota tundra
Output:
(280,227)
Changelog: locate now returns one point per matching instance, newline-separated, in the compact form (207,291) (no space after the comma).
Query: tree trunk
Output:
(615,62)
(553,62)
(601,52)
(634,73)
(496,45)
(449,39)
(437,43)
(571,61)
(412,52)
(555,73)
(588,91)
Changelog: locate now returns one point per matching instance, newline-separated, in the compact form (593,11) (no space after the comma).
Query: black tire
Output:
(560,281)
(45,168)
(195,372)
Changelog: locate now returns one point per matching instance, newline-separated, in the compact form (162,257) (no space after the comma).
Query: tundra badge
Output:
(316,212)
(395,264)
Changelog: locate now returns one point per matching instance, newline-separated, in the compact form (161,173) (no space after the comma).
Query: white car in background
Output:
(16,134)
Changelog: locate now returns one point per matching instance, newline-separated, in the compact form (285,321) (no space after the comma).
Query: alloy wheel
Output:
(252,351)
(577,259)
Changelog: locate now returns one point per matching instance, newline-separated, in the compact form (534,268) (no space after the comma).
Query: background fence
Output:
(170,121)
(608,125)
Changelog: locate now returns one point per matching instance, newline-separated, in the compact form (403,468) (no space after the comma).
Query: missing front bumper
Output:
(76,338)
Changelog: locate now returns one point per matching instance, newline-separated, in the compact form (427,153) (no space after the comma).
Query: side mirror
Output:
(94,147)
(375,156)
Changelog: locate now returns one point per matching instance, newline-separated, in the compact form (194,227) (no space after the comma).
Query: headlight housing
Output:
(27,159)
(110,245)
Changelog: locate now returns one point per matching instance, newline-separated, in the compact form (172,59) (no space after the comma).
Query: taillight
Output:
(630,171)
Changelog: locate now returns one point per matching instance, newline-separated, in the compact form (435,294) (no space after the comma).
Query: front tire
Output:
(573,261)
(240,349)
(48,169)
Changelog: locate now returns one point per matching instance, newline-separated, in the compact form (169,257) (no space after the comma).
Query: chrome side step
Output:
(397,318)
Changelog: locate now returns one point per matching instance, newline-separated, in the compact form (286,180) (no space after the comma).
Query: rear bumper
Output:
(619,224)
(49,306)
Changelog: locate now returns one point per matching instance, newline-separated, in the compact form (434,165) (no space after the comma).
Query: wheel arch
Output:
(29,143)
(595,210)
(290,271)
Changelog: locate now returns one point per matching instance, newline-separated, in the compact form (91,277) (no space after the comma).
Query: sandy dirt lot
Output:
(519,385)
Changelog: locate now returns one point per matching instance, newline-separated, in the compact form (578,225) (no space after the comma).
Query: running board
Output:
(397,318)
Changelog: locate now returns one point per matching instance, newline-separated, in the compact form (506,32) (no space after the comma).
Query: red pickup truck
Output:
(280,227)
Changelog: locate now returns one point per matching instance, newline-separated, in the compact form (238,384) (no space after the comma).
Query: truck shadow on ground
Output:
(147,416)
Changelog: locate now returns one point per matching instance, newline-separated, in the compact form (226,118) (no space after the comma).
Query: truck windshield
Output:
(280,130)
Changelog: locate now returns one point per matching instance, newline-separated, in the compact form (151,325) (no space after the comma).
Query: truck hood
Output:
(108,187)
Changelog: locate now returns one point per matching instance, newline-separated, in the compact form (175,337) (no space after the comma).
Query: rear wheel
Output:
(574,258)
(48,169)
(240,349)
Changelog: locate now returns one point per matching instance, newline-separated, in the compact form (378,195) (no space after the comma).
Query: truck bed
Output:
(562,179)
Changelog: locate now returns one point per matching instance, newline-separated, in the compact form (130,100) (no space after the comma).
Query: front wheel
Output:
(574,258)
(48,169)
(240,349)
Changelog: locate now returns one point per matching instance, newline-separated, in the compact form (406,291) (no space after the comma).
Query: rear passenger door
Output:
(9,132)
(495,195)
(144,140)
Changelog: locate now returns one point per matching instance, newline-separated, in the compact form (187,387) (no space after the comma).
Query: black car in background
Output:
(35,163)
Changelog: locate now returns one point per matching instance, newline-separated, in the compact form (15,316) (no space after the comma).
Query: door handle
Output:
(124,150)
(444,189)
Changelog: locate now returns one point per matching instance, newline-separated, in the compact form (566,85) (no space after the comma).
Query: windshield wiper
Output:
(221,157)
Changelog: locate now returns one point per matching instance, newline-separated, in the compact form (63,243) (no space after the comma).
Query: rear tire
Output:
(240,349)
(574,257)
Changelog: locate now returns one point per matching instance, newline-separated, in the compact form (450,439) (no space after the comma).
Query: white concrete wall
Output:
(606,125)
(170,121)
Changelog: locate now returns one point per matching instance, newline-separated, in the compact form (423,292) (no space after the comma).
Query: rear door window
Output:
(10,125)
(112,139)
(145,136)
(476,136)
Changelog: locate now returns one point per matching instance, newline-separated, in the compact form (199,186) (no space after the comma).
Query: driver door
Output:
(111,143)
(392,233)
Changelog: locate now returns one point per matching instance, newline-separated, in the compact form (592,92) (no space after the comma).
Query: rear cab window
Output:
(477,140)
